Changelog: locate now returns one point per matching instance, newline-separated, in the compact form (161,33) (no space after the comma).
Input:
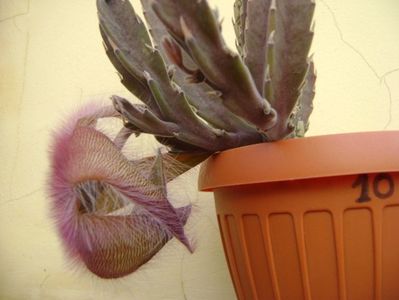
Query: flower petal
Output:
(104,205)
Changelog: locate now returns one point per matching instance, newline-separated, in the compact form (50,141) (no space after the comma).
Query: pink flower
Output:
(110,214)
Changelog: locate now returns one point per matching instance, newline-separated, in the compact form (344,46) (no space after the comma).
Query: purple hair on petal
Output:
(106,211)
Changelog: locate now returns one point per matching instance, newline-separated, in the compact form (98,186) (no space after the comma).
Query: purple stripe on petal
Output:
(104,208)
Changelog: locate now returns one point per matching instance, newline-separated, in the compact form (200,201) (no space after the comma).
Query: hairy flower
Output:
(112,214)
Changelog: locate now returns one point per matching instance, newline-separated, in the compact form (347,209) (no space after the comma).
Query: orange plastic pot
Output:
(313,218)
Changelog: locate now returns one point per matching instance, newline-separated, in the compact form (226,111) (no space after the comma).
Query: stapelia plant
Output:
(198,97)
(113,214)
(198,94)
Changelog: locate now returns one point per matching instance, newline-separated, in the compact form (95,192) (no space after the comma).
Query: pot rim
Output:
(302,158)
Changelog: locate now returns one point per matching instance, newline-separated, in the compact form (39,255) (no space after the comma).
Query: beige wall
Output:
(52,60)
